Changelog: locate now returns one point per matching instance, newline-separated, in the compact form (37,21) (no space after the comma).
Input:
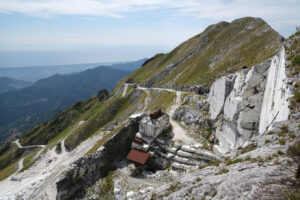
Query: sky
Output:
(50,32)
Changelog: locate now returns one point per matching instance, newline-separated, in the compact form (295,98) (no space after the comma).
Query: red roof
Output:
(138,156)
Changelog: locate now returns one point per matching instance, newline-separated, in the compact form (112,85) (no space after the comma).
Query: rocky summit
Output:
(216,118)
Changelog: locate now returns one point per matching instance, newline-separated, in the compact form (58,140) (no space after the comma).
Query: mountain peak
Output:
(220,49)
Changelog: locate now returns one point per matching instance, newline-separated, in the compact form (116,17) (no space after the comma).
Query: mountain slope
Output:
(221,48)
(26,107)
(9,84)
(91,134)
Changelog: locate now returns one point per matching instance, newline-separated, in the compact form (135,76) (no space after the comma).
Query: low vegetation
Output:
(30,160)
(248,148)
(97,121)
(106,187)
(8,170)
(231,162)
(222,171)
(103,140)
(172,188)
(162,100)
(58,148)
(209,62)
(211,163)
(115,109)
(10,153)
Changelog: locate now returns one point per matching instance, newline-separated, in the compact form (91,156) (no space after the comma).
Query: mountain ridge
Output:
(21,109)
(9,84)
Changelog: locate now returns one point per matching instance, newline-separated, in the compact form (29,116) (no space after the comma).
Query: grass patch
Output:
(115,109)
(171,68)
(248,148)
(211,163)
(106,187)
(10,155)
(293,196)
(282,133)
(30,160)
(270,132)
(284,128)
(295,101)
(96,122)
(173,188)
(103,140)
(296,61)
(162,99)
(231,162)
(267,141)
(8,170)
(292,135)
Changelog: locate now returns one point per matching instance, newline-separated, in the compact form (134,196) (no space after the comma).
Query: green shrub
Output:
(267,141)
(270,132)
(282,141)
(279,152)
(296,61)
(58,148)
(284,128)
(282,134)
(292,135)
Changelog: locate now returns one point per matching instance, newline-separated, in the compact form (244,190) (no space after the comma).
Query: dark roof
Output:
(138,156)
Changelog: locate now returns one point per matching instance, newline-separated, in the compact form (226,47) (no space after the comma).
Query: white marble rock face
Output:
(250,105)
(277,94)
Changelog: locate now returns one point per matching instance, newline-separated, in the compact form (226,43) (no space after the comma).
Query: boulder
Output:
(187,115)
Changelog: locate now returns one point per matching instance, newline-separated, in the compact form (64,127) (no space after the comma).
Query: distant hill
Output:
(22,109)
(33,74)
(129,66)
(9,84)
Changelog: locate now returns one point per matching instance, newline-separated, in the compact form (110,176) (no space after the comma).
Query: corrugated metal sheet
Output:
(138,156)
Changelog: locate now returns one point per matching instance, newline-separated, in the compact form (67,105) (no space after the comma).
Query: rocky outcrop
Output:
(87,170)
(187,115)
(193,112)
(235,104)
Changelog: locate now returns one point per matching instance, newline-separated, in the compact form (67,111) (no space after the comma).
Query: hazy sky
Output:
(43,32)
